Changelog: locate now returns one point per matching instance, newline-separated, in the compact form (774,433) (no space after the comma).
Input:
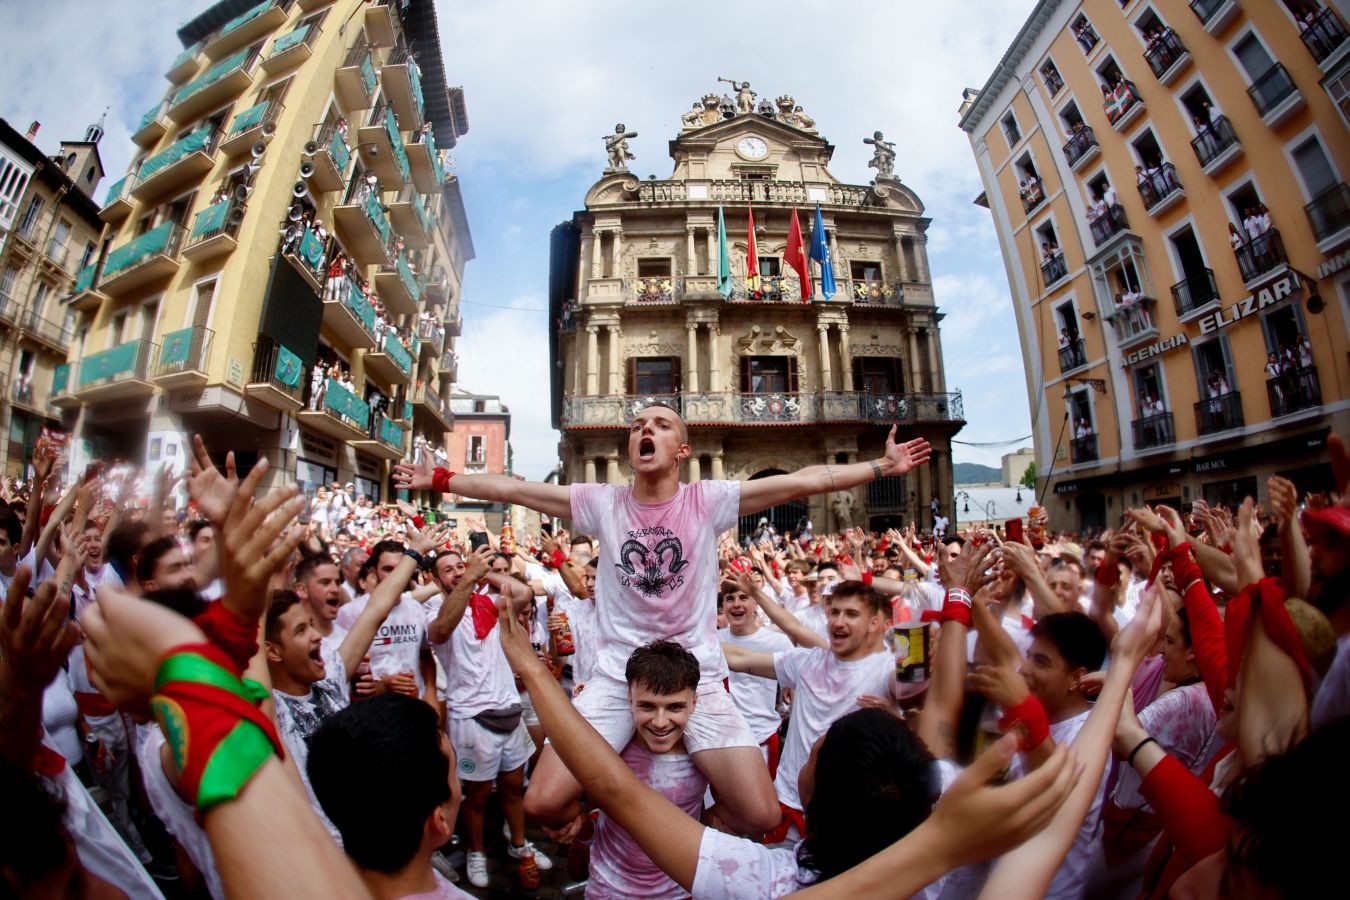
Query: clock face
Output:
(752,148)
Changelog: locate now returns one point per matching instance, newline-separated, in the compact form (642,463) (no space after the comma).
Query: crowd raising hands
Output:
(270,694)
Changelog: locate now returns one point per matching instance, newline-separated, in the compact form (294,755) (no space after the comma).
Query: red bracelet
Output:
(556,560)
(1108,576)
(957,606)
(1029,720)
(440,479)
(867,578)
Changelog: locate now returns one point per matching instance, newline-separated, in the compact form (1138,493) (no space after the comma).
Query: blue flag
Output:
(820,252)
(724,285)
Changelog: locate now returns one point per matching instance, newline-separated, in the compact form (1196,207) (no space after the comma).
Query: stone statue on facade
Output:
(765,108)
(883,155)
(804,122)
(745,98)
(842,504)
(705,112)
(616,146)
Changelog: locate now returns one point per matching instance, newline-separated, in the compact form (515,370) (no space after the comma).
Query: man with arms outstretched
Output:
(658,580)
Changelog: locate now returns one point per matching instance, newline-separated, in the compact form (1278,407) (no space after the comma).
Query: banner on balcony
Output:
(287,41)
(249,118)
(311,250)
(60,379)
(177,348)
(211,219)
(109,363)
(343,402)
(289,367)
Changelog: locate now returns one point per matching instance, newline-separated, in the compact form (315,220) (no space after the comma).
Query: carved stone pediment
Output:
(877,350)
(758,340)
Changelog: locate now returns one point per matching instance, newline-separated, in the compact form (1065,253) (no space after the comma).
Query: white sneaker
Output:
(476,868)
(540,859)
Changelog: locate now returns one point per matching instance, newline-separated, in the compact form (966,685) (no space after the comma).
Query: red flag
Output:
(751,258)
(795,255)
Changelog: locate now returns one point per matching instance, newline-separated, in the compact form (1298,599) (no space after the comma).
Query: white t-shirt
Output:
(1071,878)
(756,697)
(814,617)
(658,570)
(1333,697)
(398,641)
(826,688)
(176,815)
(790,601)
(298,717)
(444,890)
(477,676)
(59,715)
(1182,722)
(581,618)
(733,868)
(620,869)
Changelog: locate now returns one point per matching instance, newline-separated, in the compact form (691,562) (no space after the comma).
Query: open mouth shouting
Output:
(646,449)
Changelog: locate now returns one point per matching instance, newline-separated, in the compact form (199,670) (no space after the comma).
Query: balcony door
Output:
(769,374)
(879,375)
(1253,57)
(654,375)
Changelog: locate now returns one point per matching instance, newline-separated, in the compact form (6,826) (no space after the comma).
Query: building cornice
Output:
(1006,70)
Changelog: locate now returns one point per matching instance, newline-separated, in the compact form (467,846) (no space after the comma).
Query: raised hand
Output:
(1246,547)
(1134,641)
(124,639)
(212,490)
(415,476)
(1001,685)
(248,543)
(1283,501)
(968,570)
(36,635)
(429,540)
(900,458)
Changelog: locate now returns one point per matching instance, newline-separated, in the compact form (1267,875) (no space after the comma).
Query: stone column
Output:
(712,250)
(590,470)
(693,468)
(616,268)
(915,366)
(579,361)
(691,360)
(690,260)
(824,330)
(845,359)
(834,254)
(598,254)
(592,360)
(714,358)
(921,257)
(612,468)
(935,359)
(717,463)
(615,375)
(900,267)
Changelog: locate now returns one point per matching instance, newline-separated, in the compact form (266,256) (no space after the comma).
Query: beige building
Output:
(767,383)
(49,230)
(293,135)
(1168,184)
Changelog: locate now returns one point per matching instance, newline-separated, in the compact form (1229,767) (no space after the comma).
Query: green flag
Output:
(723,258)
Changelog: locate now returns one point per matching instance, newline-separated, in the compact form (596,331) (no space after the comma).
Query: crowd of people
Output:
(263,694)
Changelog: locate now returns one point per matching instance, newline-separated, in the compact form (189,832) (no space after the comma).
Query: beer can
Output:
(563,638)
(508,542)
(911,653)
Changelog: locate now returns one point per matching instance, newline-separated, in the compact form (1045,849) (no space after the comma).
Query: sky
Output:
(544,80)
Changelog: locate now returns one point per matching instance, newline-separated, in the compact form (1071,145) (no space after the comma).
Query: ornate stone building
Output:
(767,382)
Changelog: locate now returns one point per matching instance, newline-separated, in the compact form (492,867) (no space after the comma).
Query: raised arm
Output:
(42,471)
(898,459)
(751,662)
(385,597)
(1022,560)
(783,620)
(551,499)
(1295,566)
(942,706)
(457,601)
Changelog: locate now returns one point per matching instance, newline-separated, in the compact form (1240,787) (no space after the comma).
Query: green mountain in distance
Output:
(974,473)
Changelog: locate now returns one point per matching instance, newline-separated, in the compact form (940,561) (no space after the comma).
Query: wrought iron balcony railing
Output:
(1158,185)
(1072,356)
(1190,294)
(1084,449)
(1292,391)
(1054,268)
(1271,89)
(1329,212)
(1219,413)
(1165,52)
(1154,431)
(1260,256)
(1108,224)
(1213,140)
(1079,144)
(1323,34)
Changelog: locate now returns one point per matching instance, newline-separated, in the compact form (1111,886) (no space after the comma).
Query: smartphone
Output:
(477,539)
(546,528)
(1013,529)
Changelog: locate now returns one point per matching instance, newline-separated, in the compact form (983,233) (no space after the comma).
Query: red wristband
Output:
(1107,576)
(867,578)
(1029,720)
(556,560)
(957,606)
(419,523)
(440,479)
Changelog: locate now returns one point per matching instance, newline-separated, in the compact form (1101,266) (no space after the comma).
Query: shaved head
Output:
(669,412)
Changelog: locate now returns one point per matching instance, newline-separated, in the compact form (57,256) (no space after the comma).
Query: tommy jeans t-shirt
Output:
(398,641)
(754,696)
(657,575)
(826,689)
(620,869)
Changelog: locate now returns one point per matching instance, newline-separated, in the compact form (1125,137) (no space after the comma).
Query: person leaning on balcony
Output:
(1234,236)
(318,386)
(1262,218)
(1304,350)
(1109,198)
(336,269)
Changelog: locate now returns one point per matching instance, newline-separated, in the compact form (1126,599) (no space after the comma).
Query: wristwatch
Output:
(422,562)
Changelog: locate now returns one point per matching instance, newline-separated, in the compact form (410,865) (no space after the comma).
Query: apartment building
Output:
(282,263)
(1168,185)
(49,230)
(768,376)
(480,445)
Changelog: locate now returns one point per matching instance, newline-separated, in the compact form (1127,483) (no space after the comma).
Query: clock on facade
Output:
(752,148)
